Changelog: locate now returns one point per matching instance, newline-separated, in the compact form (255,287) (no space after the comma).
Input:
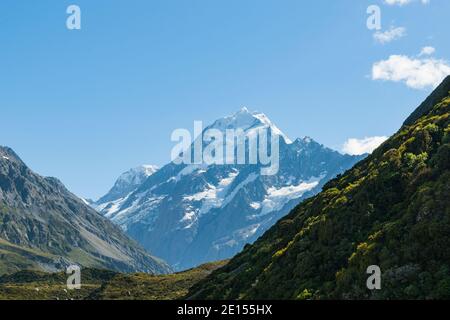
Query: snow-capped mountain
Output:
(248,121)
(126,183)
(189,214)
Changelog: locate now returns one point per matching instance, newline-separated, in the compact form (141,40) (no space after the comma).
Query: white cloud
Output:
(355,146)
(403,2)
(417,73)
(389,35)
(426,51)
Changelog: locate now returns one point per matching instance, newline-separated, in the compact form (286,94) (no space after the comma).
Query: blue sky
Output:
(85,105)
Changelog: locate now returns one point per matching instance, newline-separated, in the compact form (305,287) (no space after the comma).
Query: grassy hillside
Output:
(14,258)
(391,210)
(101,285)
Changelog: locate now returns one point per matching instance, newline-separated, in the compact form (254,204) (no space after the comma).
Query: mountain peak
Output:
(244,110)
(138,173)
(128,181)
(7,153)
(246,120)
(192,213)
(304,140)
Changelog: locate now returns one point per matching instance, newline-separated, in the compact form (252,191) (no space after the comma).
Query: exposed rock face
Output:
(44,226)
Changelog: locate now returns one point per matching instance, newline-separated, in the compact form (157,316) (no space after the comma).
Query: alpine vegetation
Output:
(379,231)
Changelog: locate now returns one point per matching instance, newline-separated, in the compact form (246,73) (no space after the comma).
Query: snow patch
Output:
(110,208)
(237,237)
(146,205)
(189,169)
(276,199)
(212,197)
(255,205)
(86,202)
(251,177)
